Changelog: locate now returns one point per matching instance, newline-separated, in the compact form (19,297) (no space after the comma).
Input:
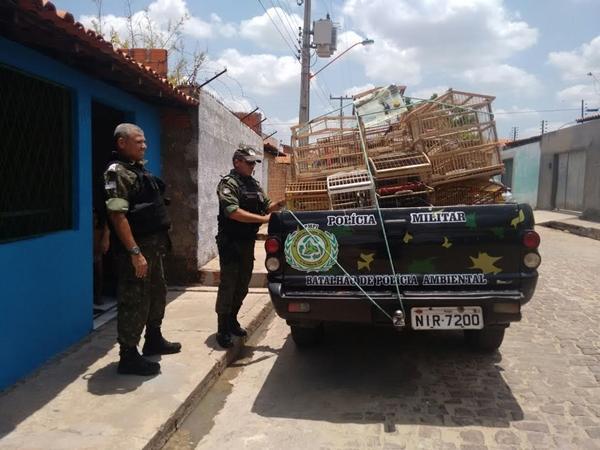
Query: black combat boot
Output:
(234,326)
(223,335)
(132,363)
(156,344)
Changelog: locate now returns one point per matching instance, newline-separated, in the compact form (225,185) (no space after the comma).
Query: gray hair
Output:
(124,130)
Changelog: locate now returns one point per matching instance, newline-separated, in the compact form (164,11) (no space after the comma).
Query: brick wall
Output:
(179,152)
(279,175)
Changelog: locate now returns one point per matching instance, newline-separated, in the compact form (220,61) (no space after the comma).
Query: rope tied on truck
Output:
(463,111)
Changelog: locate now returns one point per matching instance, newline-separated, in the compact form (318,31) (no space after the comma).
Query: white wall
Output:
(219,133)
(526,167)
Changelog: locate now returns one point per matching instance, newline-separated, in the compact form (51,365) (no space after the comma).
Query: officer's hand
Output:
(266,218)
(140,265)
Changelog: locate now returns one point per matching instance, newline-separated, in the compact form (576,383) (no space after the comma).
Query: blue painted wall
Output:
(526,168)
(46,283)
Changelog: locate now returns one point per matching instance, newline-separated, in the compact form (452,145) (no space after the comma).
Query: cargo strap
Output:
(399,319)
(318,243)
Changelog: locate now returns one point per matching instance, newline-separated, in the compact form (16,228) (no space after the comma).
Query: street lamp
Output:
(364,42)
(306,76)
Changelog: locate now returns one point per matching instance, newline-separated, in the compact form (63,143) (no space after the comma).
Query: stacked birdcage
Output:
(315,161)
(401,178)
(448,144)
(350,190)
(478,191)
(458,134)
(307,196)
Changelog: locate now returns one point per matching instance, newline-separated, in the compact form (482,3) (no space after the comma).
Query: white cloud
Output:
(232,102)
(505,77)
(575,65)
(573,95)
(282,127)
(425,93)
(261,74)
(262,31)
(442,35)
(383,61)
(503,114)
(357,89)
(161,17)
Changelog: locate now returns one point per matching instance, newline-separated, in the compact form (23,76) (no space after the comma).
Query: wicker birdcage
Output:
(453,111)
(328,156)
(350,190)
(463,137)
(479,191)
(307,196)
(399,164)
(402,191)
(464,164)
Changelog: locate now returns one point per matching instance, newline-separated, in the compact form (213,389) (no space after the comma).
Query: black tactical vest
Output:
(147,210)
(251,200)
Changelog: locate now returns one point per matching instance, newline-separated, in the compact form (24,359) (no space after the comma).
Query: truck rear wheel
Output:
(306,336)
(486,340)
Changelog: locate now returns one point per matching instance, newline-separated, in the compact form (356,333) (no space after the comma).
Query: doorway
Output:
(104,121)
(570,177)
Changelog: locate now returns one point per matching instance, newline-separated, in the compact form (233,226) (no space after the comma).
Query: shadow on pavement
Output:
(376,375)
(106,381)
(32,394)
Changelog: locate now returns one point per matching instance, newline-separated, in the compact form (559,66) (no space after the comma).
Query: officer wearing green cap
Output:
(136,207)
(243,207)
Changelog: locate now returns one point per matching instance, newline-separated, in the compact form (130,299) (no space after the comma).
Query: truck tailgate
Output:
(458,248)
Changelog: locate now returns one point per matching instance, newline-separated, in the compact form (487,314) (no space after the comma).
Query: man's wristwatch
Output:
(134,251)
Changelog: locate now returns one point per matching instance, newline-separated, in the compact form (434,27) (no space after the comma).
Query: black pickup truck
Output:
(467,268)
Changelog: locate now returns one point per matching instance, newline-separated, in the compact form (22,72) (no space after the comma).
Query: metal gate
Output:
(569,181)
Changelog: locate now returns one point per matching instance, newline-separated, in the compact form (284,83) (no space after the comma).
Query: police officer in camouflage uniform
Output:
(243,206)
(138,215)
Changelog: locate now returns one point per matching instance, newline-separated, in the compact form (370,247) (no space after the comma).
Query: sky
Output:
(540,59)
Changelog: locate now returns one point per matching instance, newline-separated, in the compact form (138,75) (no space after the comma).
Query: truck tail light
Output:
(272,245)
(298,307)
(531,239)
(532,260)
(272,264)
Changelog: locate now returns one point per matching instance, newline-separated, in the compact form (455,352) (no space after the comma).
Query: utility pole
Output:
(341,99)
(582,109)
(515,133)
(303,115)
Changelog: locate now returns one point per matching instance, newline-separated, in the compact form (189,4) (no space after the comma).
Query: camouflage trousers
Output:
(236,259)
(142,301)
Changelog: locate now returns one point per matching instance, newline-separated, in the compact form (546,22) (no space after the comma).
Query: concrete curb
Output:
(212,277)
(592,233)
(161,437)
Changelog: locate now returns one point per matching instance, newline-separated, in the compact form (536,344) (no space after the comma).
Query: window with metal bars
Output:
(36,157)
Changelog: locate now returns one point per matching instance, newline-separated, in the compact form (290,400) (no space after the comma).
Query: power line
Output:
(287,29)
(288,16)
(529,111)
(294,51)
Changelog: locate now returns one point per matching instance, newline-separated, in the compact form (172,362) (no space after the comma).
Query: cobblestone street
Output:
(375,388)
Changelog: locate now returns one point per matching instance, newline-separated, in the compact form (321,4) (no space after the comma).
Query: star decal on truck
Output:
(447,243)
(365,261)
(407,237)
(517,220)
(485,263)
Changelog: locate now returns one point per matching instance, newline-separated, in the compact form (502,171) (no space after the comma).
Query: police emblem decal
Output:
(311,249)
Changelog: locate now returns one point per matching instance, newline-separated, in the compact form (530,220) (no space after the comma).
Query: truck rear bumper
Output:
(354,307)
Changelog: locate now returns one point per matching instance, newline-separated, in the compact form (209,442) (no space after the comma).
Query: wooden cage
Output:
(350,190)
(307,196)
(466,163)
(480,191)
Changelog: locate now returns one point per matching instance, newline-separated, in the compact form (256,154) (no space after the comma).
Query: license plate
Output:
(447,318)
